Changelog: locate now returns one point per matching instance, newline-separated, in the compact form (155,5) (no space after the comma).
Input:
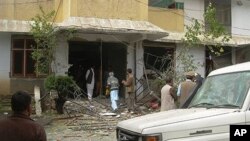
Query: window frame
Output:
(25,51)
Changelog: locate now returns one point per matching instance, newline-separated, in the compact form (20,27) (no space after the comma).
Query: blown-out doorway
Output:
(102,55)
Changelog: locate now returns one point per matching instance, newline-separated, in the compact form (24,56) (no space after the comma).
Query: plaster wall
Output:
(168,19)
(18,9)
(139,60)
(5,47)
(139,66)
(240,18)
(60,65)
(198,56)
(131,56)
(193,9)
(135,61)
(114,9)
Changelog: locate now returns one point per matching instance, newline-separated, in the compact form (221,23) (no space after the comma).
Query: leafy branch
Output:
(43,31)
(211,33)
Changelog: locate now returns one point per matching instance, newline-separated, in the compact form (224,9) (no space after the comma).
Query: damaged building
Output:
(136,34)
(104,36)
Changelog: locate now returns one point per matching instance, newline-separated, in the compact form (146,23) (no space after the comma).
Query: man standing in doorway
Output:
(90,83)
(113,84)
(129,84)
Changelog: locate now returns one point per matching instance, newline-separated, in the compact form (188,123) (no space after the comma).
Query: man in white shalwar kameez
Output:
(90,82)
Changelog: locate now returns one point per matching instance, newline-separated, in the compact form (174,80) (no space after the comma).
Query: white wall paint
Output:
(139,65)
(241,18)
(5,47)
(60,66)
(199,57)
(193,9)
(131,56)
(139,59)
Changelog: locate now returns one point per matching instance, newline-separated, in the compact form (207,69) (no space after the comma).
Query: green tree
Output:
(210,33)
(43,31)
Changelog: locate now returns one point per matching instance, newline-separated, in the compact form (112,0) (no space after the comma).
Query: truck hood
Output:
(178,120)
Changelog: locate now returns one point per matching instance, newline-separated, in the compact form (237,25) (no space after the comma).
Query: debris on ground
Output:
(82,122)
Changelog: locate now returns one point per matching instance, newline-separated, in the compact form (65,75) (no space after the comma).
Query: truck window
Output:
(226,90)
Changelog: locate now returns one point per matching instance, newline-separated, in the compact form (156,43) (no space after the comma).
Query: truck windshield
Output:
(222,91)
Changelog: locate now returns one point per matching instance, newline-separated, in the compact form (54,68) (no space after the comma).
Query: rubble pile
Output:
(84,122)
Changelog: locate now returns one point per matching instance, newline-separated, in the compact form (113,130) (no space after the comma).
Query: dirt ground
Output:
(82,128)
(83,123)
(80,122)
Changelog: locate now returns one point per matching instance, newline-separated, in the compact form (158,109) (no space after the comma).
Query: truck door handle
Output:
(201,132)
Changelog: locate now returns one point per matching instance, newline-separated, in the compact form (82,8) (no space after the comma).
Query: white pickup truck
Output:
(222,100)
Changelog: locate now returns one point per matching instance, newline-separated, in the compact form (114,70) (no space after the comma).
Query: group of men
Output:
(19,126)
(113,85)
(185,89)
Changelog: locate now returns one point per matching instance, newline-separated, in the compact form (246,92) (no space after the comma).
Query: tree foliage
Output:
(43,31)
(210,33)
(61,84)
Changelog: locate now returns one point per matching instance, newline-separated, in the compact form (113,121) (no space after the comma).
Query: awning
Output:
(173,37)
(145,29)
(240,41)
(235,41)
(14,26)
(113,26)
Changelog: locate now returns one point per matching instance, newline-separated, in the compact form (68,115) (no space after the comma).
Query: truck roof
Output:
(233,68)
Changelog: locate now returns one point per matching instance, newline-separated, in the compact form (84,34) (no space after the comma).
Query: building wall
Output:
(26,84)
(26,9)
(131,49)
(18,9)
(167,19)
(61,66)
(5,47)
(10,85)
(198,56)
(240,18)
(114,9)
(193,9)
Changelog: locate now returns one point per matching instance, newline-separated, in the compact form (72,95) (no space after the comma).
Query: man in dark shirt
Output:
(19,126)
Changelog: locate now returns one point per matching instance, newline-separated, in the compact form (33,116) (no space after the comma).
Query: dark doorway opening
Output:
(102,55)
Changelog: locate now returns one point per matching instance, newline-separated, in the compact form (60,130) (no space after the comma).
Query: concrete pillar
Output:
(37,101)
(234,56)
